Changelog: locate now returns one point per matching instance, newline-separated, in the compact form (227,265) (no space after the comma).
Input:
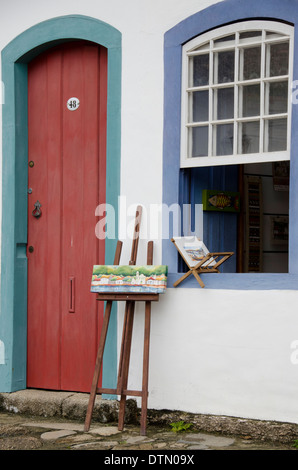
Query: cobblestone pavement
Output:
(19,432)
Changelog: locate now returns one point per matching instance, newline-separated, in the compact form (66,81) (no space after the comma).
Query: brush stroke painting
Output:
(142,279)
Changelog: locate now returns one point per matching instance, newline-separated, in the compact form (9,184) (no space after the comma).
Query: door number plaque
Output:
(73,104)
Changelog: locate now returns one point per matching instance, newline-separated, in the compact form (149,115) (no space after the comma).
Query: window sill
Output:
(234,160)
(245,281)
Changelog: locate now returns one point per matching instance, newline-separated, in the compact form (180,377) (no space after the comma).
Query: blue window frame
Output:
(218,15)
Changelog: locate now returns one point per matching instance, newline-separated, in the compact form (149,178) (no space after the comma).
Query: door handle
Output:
(37,211)
(71,294)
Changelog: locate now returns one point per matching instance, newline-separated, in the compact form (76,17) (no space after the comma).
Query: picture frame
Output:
(129,279)
(281,175)
(220,201)
(279,230)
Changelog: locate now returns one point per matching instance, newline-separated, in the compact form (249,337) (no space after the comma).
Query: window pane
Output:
(273,35)
(251,63)
(224,67)
(200,65)
(276,130)
(203,47)
(224,136)
(200,106)
(251,35)
(278,97)
(278,57)
(249,137)
(199,141)
(237,93)
(249,101)
(223,41)
(224,103)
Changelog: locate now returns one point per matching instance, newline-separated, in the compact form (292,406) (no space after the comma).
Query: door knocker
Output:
(37,211)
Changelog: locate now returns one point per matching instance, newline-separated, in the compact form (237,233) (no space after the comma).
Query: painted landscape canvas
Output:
(136,279)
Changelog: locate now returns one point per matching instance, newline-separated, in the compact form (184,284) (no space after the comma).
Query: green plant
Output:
(295,444)
(180,426)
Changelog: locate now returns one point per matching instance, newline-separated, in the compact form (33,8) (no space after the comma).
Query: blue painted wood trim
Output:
(222,13)
(245,281)
(15,56)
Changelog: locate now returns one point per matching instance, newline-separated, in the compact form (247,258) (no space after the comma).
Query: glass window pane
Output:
(251,64)
(273,35)
(224,67)
(276,130)
(250,35)
(200,106)
(239,110)
(249,137)
(224,103)
(278,57)
(224,136)
(200,66)
(224,40)
(249,101)
(203,47)
(278,97)
(199,141)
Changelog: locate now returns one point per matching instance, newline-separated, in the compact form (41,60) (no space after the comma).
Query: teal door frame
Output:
(15,57)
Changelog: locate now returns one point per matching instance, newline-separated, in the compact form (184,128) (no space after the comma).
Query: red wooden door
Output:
(67,176)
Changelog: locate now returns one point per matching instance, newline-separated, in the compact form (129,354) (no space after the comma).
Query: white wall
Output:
(223,352)
(220,352)
(142,24)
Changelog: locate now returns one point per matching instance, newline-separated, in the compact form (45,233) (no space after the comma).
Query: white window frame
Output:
(189,49)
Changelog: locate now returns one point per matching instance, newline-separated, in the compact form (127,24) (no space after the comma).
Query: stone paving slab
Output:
(69,405)
(28,414)
(19,433)
(50,424)
(54,435)
(207,440)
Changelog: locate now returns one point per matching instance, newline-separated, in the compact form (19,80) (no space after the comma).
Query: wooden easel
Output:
(208,264)
(124,360)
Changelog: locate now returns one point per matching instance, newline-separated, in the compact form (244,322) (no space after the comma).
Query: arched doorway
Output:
(15,59)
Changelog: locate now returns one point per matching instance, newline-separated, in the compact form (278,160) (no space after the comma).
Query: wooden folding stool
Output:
(207,264)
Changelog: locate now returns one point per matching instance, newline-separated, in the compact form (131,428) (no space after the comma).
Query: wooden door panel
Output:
(81,190)
(43,233)
(63,316)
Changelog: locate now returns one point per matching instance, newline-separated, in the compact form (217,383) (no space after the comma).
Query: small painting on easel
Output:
(122,279)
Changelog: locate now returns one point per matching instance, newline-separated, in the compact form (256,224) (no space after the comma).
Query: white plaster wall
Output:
(142,24)
(219,352)
(222,352)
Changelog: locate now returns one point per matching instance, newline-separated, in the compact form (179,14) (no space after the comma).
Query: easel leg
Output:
(127,329)
(145,368)
(124,365)
(101,347)
(98,364)
(121,357)
(146,351)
